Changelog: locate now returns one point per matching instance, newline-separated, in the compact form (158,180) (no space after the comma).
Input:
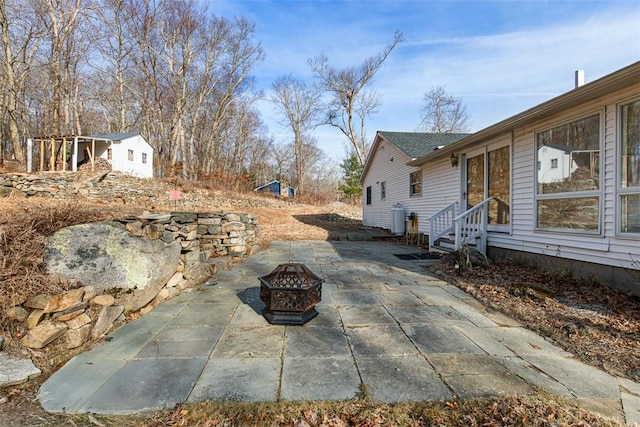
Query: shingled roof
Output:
(413,144)
(417,144)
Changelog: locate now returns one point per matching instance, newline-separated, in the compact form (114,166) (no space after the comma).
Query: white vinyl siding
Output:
(134,146)
(606,248)
(395,174)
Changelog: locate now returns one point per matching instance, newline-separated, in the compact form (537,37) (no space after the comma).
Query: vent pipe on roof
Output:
(579,78)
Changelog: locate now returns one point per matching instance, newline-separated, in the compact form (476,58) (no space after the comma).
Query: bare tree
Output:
(350,99)
(442,113)
(300,105)
(111,81)
(19,38)
(62,20)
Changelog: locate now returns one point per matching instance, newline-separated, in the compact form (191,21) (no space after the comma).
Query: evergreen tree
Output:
(352,171)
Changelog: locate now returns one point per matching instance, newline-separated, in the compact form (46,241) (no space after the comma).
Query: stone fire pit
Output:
(290,292)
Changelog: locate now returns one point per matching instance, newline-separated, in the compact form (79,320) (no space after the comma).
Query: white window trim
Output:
(412,184)
(601,113)
(620,191)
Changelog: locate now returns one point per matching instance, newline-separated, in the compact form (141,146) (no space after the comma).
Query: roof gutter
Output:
(622,78)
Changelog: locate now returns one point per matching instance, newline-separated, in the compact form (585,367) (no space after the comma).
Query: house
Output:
(386,175)
(125,152)
(277,188)
(492,188)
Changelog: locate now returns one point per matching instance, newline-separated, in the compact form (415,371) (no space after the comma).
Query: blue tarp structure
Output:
(275,187)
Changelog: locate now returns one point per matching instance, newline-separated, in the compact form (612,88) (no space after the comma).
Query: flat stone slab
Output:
(441,339)
(16,371)
(380,341)
(59,394)
(401,379)
(238,380)
(319,378)
(146,385)
(318,342)
(266,341)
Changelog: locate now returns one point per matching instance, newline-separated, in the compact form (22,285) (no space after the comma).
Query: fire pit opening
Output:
(290,292)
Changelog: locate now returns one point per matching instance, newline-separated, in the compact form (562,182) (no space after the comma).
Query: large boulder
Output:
(104,255)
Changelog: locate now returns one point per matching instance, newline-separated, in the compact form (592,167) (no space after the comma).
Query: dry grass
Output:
(539,410)
(597,324)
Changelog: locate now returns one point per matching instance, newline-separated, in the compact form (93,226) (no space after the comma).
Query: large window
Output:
(629,191)
(415,183)
(568,176)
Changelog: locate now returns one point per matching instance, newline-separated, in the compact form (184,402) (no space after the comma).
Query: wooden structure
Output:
(54,155)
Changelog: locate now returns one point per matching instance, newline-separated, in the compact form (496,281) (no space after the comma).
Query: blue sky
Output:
(500,57)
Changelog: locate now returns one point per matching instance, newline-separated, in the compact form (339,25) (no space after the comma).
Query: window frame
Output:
(568,195)
(622,192)
(383,191)
(415,182)
(144,158)
(368,196)
(130,156)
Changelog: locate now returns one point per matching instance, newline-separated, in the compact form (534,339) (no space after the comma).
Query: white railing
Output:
(472,225)
(441,223)
(468,227)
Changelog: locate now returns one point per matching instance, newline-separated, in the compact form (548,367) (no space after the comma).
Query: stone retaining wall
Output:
(203,235)
(103,186)
(209,242)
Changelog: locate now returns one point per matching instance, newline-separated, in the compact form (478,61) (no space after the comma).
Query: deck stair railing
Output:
(441,223)
(468,228)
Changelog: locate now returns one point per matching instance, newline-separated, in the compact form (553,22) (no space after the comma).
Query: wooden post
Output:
(93,154)
(52,160)
(74,155)
(41,155)
(64,154)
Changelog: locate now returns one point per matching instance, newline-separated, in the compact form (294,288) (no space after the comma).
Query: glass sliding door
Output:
(499,186)
(475,191)
(488,174)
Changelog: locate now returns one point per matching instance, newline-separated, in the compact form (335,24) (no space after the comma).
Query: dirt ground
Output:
(598,325)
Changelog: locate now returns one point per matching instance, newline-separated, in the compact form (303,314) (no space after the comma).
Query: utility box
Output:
(397,220)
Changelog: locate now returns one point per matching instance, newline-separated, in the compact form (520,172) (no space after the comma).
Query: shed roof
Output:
(117,136)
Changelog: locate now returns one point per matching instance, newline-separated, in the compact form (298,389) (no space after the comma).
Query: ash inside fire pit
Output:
(290,292)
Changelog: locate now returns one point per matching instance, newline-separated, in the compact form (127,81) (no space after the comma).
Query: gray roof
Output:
(117,136)
(417,144)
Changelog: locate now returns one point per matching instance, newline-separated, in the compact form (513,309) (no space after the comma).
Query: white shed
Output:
(126,152)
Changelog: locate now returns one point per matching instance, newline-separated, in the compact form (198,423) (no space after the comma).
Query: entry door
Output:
(488,174)
(475,188)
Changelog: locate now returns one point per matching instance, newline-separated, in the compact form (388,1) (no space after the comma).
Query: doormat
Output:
(417,255)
